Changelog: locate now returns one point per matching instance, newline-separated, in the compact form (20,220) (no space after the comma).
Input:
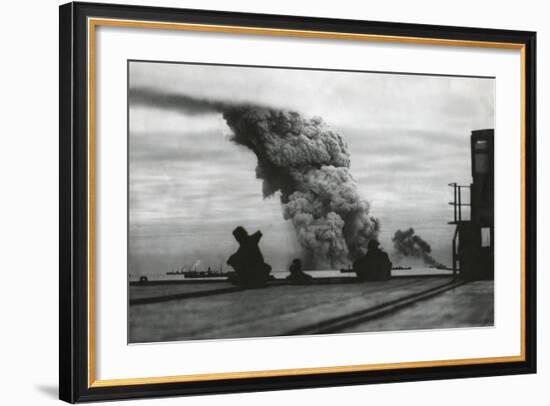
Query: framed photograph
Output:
(256,202)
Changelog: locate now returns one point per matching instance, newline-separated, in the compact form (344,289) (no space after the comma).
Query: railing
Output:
(458,218)
(457,203)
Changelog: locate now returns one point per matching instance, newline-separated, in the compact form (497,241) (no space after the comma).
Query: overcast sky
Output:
(190,186)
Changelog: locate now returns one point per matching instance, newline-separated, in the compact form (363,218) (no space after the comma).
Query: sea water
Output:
(282,274)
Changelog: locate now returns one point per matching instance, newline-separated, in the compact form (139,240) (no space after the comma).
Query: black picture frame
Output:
(74,384)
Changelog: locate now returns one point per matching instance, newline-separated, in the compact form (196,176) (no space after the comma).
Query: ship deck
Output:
(218,310)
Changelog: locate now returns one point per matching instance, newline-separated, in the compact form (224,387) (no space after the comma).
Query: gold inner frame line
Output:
(92,23)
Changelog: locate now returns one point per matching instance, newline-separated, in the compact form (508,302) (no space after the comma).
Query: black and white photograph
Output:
(269,201)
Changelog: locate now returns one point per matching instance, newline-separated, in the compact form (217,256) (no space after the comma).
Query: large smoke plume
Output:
(303,159)
(408,244)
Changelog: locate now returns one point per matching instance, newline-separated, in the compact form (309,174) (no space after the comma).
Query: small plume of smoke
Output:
(309,164)
(196,265)
(408,244)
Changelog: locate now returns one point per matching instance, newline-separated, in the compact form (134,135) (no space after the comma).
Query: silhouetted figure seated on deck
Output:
(248,262)
(374,265)
(297,275)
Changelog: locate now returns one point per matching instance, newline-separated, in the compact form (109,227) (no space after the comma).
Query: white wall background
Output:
(29,188)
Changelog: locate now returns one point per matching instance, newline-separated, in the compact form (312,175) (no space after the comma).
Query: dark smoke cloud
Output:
(303,159)
(409,244)
(309,164)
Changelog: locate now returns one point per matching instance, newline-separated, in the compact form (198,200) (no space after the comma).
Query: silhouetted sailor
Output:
(248,261)
(297,275)
(374,265)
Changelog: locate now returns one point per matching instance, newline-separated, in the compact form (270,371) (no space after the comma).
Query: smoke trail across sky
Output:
(303,159)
